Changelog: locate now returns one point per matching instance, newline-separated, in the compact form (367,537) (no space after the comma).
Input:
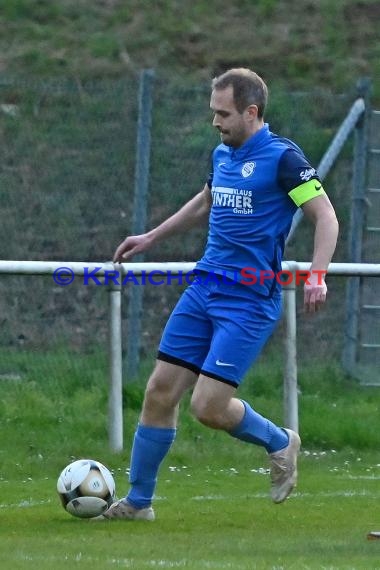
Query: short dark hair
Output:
(248,88)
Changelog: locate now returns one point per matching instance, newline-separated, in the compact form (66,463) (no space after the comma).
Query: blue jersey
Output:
(256,190)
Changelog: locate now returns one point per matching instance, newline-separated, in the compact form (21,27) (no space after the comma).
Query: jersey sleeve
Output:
(298,178)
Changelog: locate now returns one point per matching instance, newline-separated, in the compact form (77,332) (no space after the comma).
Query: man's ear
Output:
(252,112)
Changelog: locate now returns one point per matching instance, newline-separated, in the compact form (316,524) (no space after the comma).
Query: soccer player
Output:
(223,319)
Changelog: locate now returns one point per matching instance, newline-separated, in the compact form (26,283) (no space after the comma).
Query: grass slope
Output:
(299,43)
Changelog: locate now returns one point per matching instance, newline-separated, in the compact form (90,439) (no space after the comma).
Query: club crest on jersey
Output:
(248,169)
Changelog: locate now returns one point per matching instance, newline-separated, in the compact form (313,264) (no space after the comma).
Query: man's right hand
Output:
(131,246)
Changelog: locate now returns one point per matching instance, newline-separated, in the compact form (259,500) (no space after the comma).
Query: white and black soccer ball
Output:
(86,488)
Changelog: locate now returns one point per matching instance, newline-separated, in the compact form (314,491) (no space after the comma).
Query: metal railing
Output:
(115,403)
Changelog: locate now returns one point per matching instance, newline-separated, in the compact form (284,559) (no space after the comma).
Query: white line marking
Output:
(127,562)
(301,495)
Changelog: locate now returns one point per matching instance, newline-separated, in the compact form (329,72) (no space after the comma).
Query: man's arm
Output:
(321,212)
(192,214)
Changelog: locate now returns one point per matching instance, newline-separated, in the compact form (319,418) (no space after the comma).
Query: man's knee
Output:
(212,403)
(206,412)
(166,385)
(158,393)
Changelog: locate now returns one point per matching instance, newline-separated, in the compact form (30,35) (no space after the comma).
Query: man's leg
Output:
(184,344)
(214,405)
(243,322)
(154,436)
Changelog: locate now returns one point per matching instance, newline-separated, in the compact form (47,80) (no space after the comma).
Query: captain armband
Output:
(306,191)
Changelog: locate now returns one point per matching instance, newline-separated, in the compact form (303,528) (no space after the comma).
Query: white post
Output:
(290,349)
(115,403)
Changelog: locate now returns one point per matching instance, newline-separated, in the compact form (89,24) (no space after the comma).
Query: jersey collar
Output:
(253,143)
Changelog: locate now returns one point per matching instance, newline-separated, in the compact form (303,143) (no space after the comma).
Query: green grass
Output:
(211,513)
(212,504)
(194,39)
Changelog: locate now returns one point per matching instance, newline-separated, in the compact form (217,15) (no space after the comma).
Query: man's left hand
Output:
(315,290)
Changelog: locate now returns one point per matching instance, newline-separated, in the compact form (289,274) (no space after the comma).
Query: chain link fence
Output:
(67,181)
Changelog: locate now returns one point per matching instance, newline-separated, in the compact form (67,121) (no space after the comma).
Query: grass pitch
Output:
(211,515)
(212,506)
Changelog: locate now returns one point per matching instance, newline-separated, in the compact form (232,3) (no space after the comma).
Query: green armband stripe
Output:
(306,191)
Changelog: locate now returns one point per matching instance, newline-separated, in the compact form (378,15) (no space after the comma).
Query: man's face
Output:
(233,126)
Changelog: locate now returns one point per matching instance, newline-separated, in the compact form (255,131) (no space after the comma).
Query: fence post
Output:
(139,214)
(358,211)
(290,352)
(115,401)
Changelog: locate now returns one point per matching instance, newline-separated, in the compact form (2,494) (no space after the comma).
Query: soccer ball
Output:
(86,488)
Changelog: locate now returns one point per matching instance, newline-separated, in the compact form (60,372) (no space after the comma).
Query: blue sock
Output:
(257,429)
(150,445)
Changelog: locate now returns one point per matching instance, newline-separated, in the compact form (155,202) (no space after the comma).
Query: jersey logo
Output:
(221,363)
(307,174)
(240,201)
(248,169)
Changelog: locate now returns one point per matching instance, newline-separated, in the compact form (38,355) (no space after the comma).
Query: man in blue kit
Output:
(223,319)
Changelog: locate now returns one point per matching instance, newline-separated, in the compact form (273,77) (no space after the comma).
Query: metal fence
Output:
(99,275)
(67,181)
(361,356)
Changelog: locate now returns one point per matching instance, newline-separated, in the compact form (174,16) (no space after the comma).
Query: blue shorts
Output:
(218,328)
